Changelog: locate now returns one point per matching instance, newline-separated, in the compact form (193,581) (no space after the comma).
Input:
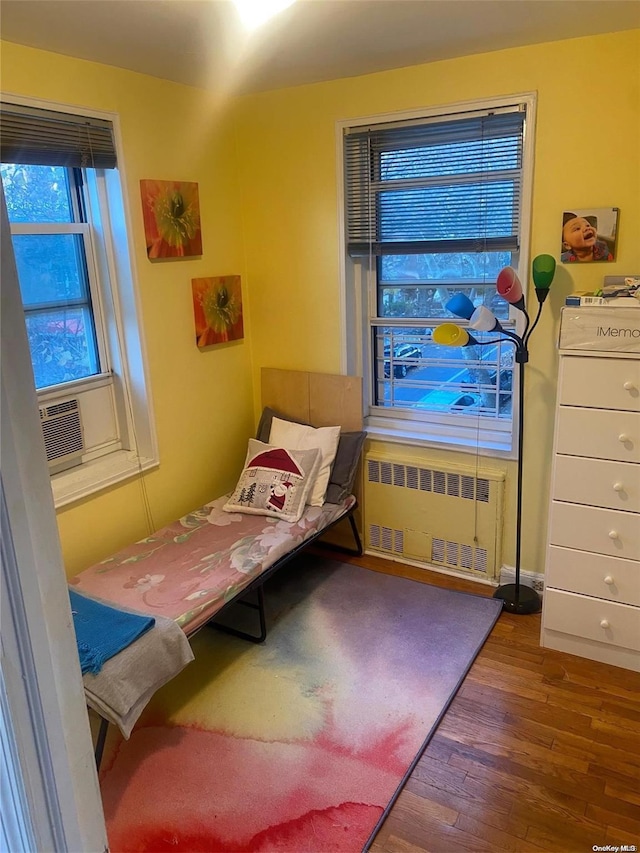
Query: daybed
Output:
(188,572)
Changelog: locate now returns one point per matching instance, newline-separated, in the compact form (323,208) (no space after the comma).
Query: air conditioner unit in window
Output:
(63,434)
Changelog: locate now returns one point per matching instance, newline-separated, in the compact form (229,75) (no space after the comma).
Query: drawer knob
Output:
(623,437)
(604,623)
(609,580)
(618,487)
(629,386)
(613,534)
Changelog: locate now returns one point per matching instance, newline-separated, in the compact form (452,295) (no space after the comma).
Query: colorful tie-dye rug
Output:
(300,744)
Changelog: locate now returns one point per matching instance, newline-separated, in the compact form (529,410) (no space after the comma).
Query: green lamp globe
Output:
(543,269)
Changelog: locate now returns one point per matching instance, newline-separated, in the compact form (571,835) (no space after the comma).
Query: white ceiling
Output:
(201,42)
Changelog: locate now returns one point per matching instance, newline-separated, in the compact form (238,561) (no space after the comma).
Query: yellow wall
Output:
(586,156)
(268,190)
(202,399)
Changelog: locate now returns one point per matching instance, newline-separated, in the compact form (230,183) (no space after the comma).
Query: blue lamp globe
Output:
(461,306)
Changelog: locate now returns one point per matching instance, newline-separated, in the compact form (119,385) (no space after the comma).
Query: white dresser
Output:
(591,603)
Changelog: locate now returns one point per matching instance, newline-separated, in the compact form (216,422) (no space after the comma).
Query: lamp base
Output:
(528,600)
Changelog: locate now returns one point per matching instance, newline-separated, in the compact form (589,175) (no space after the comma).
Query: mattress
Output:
(190,569)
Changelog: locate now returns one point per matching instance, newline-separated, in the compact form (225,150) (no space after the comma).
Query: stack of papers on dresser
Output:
(618,290)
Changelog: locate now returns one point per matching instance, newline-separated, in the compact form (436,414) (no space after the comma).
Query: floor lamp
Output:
(516,597)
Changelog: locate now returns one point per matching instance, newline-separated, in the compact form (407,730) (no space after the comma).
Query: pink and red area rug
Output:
(299,745)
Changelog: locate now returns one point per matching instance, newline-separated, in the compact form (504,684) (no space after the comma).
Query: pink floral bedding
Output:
(190,569)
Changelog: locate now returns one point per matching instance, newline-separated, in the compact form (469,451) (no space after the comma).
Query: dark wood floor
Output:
(539,750)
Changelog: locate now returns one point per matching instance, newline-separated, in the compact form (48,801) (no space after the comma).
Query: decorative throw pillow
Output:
(296,436)
(274,481)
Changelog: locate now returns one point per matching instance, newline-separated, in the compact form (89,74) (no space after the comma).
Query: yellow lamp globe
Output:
(450,335)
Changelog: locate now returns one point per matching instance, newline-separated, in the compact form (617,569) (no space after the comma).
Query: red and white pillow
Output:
(275,481)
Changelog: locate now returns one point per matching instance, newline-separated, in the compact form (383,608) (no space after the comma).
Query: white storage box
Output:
(606,329)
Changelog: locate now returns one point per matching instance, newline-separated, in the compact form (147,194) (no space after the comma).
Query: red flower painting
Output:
(171,212)
(217,308)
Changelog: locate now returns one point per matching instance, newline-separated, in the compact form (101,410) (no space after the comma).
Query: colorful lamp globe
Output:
(543,270)
(509,287)
(451,335)
(461,306)
(484,320)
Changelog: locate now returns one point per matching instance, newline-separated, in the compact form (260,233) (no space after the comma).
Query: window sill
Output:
(486,441)
(92,477)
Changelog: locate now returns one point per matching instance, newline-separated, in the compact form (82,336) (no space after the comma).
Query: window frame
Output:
(94,295)
(466,433)
(124,377)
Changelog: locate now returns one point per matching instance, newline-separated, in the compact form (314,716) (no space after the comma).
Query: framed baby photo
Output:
(589,235)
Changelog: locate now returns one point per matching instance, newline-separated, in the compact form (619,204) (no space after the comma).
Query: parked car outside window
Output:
(403,355)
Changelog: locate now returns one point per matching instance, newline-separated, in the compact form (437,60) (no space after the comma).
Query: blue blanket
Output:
(103,631)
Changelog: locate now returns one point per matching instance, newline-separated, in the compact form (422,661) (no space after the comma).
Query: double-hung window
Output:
(64,203)
(56,271)
(435,205)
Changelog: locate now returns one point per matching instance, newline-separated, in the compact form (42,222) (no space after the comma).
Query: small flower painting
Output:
(171,211)
(217,308)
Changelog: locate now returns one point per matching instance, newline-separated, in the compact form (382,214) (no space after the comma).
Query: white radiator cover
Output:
(442,515)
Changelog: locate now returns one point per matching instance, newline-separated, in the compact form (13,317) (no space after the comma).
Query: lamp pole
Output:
(516,597)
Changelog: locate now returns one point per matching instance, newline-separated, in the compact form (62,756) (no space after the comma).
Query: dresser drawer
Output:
(593,574)
(598,433)
(615,485)
(592,618)
(600,383)
(603,531)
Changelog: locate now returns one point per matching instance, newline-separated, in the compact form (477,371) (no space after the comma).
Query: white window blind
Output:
(436,186)
(39,137)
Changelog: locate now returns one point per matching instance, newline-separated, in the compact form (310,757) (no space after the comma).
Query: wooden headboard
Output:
(319,399)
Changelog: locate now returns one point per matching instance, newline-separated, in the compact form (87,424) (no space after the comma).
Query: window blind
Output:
(452,185)
(38,137)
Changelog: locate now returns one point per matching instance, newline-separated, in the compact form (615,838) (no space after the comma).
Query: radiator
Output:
(440,515)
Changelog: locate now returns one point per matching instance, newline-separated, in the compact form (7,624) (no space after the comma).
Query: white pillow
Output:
(296,436)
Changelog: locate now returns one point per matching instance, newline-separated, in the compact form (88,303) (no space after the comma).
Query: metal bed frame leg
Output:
(262,636)
(356,536)
(102,737)
(344,549)
(258,589)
